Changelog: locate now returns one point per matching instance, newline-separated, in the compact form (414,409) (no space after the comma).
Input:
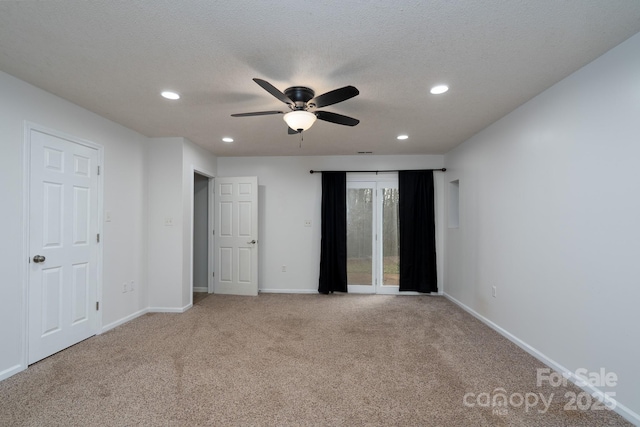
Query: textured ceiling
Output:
(114,57)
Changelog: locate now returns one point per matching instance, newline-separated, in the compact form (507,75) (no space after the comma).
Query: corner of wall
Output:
(165,220)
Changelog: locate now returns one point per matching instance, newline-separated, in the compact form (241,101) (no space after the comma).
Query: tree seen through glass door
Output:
(390,240)
(359,236)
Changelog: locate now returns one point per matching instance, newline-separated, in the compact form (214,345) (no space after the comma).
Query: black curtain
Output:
(417,232)
(333,246)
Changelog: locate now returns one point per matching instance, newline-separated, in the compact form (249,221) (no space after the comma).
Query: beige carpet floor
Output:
(292,360)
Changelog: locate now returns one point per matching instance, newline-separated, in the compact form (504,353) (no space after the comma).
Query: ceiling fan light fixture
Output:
(299,119)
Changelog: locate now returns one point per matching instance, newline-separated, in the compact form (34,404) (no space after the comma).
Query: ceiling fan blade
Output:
(291,131)
(274,91)
(257,113)
(335,96)
(336,118)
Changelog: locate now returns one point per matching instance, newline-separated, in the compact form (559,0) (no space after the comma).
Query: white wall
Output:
(549,214)
(124,238)
(289,195)
(165,223)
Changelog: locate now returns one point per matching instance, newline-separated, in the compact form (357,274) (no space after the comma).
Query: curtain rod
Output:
(386,171)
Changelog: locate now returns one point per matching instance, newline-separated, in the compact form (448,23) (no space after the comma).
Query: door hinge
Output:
(97,305)
(98,170)
(213,274)
(98,237)
(214,232)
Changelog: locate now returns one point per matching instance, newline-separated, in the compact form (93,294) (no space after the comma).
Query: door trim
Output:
(26,250)
(363,288)
(210,225)
(212,210)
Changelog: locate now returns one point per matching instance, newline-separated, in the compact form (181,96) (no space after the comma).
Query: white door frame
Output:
(372,287)
(210,225)
(26,197)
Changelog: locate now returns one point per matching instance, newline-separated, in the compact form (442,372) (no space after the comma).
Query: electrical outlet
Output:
(284,268)
(493,291)
(307,223)
(131,286)
(168,222)
(124,287)
(107,216)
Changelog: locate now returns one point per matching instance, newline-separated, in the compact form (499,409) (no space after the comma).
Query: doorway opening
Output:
(201,237)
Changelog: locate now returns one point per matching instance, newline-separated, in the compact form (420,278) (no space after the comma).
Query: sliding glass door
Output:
(360,236)
(372,236)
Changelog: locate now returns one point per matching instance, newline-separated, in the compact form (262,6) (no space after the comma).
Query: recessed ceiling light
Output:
(437,90)
(403,137)
(170,95)
(227,139)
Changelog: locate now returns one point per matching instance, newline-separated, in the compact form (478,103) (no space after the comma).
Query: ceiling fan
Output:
(301,100)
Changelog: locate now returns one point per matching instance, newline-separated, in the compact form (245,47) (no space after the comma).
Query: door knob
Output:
(38,259)
(253,242)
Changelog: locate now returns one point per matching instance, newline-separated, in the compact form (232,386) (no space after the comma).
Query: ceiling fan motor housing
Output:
(300,95)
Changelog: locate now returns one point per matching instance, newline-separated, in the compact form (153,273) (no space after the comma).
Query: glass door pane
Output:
(360,208)
(390,240)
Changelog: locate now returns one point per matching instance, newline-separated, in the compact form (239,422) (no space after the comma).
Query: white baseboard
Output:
(288,291)
(124,320)
(169,309)
(11,371)
(315,291)
(201,289)
(619,408)
(140,313)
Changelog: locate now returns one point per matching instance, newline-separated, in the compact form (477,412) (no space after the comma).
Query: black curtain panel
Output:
(417,232)
(333,246)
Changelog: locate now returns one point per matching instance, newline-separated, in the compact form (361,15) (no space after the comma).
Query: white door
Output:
(236,236)
(63,227)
